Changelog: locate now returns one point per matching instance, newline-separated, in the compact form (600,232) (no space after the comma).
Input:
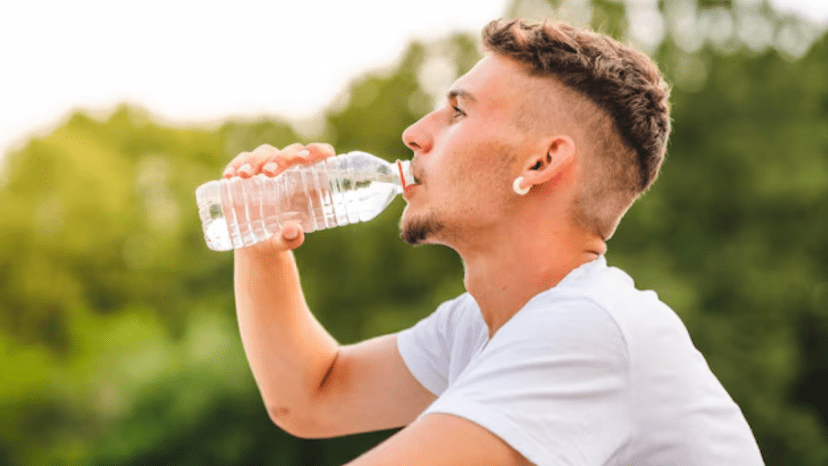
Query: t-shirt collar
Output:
(583,270)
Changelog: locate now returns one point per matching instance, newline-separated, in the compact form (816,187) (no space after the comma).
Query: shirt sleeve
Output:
(551,383)
(440,345)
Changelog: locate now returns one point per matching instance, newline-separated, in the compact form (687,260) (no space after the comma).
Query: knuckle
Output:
(321,149)
(290,155)
(264,149)
(295,147)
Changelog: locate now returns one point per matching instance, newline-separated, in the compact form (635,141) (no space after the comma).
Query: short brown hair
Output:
(622,82)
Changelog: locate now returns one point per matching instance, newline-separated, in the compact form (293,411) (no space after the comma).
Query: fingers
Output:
(320,151)
(272,161)
(248,164)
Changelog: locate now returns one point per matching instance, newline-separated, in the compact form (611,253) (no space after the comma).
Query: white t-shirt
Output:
(591,372)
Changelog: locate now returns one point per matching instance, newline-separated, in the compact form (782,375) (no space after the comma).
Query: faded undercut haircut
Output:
(632,129)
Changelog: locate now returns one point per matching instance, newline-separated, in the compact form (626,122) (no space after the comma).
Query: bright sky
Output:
(201,61)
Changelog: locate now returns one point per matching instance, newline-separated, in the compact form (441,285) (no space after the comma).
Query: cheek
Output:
(473,164)
(492,168)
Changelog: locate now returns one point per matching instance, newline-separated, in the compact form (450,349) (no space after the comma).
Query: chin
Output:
(420,230)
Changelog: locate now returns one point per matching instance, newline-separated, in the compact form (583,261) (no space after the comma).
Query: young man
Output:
(551,357)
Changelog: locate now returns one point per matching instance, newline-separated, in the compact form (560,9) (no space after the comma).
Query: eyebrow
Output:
(461,93)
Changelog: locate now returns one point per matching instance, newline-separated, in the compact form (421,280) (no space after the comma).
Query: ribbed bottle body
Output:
(340,190)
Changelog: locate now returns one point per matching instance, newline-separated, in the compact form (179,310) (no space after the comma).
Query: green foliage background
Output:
(118,341)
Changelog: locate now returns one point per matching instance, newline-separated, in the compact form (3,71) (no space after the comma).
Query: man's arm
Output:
(442,440)
(311,386)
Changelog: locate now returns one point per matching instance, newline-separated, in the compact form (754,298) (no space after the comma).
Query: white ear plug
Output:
(516,186)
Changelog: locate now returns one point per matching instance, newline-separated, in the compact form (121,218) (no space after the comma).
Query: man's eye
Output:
(458,112)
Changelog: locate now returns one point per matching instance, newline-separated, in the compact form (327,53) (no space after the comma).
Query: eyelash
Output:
(458,112)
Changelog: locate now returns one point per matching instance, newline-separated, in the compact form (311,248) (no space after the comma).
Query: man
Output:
(551,358)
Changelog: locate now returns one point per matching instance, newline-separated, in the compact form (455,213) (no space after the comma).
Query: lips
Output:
(416,176)
(410,188)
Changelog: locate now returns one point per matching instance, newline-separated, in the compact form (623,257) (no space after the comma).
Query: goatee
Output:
(417,231)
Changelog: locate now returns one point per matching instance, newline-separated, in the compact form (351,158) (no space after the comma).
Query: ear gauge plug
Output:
(518,190)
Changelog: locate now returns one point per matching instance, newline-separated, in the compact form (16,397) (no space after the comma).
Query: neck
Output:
(504,277)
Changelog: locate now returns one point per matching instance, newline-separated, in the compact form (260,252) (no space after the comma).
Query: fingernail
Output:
(290,233)
(304,153)
(246,169)
(228,171)
(271,167)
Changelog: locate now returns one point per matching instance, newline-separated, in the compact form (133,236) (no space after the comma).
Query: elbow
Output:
(298,424)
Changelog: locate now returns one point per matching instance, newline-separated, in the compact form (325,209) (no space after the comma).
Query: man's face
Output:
(466,155)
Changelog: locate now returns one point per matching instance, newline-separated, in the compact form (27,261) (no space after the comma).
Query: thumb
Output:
(291,235)
(289,238)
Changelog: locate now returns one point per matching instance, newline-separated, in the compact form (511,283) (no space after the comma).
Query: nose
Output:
(419,137)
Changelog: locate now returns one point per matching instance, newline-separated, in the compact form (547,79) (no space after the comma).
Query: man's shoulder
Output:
(614,292)
(460,311)
(461,302)
(454,322)
(605,301)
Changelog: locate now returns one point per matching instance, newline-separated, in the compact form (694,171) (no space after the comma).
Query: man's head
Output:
(614,94)
(583,118)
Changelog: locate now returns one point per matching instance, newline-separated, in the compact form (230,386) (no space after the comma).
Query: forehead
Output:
(496,82)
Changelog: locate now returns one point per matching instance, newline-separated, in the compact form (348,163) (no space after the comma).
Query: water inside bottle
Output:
(216,233)
(246,212)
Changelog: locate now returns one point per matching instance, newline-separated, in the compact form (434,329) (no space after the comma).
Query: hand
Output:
(270,161)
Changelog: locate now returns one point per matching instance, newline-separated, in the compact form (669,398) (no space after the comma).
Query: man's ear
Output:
(559,154)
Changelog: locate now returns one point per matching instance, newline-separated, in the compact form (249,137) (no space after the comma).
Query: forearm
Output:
(289,352)
(311,386)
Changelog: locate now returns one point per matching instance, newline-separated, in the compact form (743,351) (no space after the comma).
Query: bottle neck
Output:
(406,176)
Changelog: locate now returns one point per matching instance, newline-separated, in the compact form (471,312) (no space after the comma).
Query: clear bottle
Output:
(349,188)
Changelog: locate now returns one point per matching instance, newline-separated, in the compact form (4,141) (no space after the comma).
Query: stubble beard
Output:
(420,230)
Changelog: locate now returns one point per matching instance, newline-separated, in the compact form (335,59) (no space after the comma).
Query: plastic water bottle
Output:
(340,190)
